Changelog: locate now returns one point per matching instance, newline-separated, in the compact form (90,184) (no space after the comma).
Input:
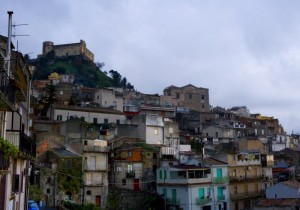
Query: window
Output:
(201,193)
(124,181)
(202,97)
(118,122)
(59,117)
(156,131)
(177,95)
(85,143)
(95,120)
(105,120)
(82,118)
(190,96)
(130,167)
(89,192)
(48,191)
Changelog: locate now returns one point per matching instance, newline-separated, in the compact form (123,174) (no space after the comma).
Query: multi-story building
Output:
(95,169)
(245,174)
(194,186)
(17,149)
(187,96)
(68,49)
(134,166)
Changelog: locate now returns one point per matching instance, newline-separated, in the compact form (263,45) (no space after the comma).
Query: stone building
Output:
(72,49)
(188,96)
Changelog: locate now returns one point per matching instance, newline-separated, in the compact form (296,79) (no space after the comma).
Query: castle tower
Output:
(47,47)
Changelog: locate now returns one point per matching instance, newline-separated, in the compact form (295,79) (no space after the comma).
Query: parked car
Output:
(32,205)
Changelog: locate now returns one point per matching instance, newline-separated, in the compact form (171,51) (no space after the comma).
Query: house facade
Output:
(187,96)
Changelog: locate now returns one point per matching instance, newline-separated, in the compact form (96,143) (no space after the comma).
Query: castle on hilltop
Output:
(72,49)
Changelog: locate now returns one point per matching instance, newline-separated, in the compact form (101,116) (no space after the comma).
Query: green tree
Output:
(49,98)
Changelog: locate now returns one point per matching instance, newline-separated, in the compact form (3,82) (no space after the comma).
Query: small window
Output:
(82,118)
(118,122)
(95,120)
(89,192)
(129,154)
(154,156)
(48,191)
(124,181)
(105,120)
(190,96)
(85,143)
(202,97)
(156,131)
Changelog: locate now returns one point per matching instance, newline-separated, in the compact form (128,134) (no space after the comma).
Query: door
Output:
(136,184)
(219,175)
(98,200)
(220,193)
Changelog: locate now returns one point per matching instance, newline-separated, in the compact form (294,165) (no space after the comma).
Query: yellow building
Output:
(247,172)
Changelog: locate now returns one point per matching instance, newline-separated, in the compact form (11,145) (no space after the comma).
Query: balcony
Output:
(7,93)
(96,149)
(22,141)
(4,162)
(246,178)
(221,197)
(130,175)
(203,201)
(173,201)
(243,195)
(220,180)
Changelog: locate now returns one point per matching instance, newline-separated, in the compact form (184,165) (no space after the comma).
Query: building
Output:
(188,96)
(193,186)
(64,50)
(109,98)
(286,189)
(17,149)
(95,115)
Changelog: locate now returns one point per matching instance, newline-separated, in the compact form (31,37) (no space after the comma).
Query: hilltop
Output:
(86,72)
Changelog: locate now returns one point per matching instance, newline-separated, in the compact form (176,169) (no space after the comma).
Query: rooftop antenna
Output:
(8,51)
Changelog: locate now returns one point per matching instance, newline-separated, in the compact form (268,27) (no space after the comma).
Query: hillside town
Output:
(64,144)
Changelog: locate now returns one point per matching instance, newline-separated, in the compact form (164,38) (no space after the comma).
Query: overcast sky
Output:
(244,52)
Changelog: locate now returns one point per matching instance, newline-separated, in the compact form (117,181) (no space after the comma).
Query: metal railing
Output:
(171,201)
(22,141)
(7,88)
(220,180)
(130,174)
(242,195)
(202,201)
(95,149)
(221,197)
(245,178)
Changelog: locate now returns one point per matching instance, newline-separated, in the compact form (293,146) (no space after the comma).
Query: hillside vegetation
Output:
(86,72)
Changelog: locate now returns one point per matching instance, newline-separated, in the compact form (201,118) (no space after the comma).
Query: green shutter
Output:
(165,175)
(219,173)
(208,191)
(160,174)
(201,193)
(165,192)
(174,196)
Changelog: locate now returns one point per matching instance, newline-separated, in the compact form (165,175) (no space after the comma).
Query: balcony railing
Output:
(8,92)
(245,178)
(130,175)
(242,195)
(4,162)
(221,197)
(202,201)
(22,141)
(171,201)
(220,180)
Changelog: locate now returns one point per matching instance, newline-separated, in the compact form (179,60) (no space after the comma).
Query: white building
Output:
(109,98)
(91,115)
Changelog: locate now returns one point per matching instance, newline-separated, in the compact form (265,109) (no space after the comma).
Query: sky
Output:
(245,52)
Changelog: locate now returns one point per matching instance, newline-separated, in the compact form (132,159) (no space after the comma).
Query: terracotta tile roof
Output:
(211,161)
(278,202)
